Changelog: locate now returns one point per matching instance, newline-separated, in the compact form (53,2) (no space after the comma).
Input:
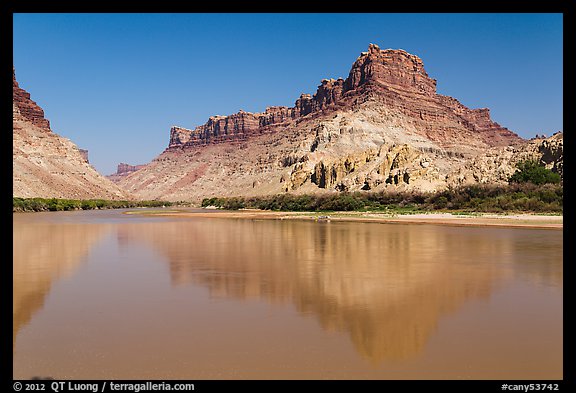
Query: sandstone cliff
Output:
(395,78)
(498,164)
(47,165)
(383,127)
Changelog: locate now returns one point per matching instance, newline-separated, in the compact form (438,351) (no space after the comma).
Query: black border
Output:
(550,6)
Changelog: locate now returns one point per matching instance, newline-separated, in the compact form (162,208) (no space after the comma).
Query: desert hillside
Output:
(47,165)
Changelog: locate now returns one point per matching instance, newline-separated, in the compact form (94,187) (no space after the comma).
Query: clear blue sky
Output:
(115,83)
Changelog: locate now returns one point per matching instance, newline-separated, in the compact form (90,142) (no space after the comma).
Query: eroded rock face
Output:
(391,69)
(552,150)
(498,164)
(24,109)
(383,127)
(47,165)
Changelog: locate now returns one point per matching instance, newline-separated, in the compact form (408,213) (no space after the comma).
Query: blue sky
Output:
(115,83)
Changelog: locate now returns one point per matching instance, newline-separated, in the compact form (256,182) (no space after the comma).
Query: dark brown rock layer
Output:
(26,109)
(84,154)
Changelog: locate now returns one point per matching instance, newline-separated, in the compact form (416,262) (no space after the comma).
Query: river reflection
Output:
(389,289)
(45,251)
(382,284)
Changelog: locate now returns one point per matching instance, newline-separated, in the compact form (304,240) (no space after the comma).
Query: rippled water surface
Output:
(105,295)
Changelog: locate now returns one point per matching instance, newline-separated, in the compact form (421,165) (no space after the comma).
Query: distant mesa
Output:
(127,168)
(124,170)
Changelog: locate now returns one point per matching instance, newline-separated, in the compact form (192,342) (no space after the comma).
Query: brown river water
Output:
(105,295)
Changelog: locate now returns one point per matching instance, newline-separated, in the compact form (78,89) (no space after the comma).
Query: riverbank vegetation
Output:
(509,198)
(55,204)
(531,171)
(532,188)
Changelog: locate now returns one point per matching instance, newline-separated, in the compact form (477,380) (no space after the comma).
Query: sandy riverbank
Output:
(484,219)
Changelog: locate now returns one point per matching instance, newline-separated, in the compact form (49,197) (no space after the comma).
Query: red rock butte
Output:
(396,78)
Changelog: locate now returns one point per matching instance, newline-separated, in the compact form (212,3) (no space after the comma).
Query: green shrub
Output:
(475,198)
(441,202)
(55,204)
(531,171)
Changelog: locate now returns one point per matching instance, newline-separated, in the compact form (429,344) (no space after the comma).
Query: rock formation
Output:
(123,170)
(84,154)
(47,165)
(384,126)
(497,165)
(23,108)
(395,76)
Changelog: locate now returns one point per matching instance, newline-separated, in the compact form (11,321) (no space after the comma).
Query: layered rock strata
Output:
(383,127)
(395,76)
(47,165)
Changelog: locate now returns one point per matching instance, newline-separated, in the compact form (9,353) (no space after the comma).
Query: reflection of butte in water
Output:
(383,284)
(42,253)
